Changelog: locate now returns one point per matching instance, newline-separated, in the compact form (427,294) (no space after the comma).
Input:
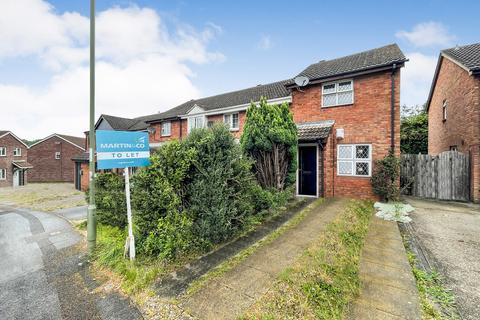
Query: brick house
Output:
(347,111)
(453,108)
(13,160)
(51,158)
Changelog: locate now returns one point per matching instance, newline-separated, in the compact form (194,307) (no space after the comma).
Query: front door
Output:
(78,176)
(307,170)
(16,178)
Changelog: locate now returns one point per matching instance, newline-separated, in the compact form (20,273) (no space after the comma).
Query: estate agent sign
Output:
(123,149)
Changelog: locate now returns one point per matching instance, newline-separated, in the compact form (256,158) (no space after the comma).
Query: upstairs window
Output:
(3,151)
(57,155)
(232,121)
(166,129)
(444,110)
(3,174)
(196,122)
(337,93)
(354,160)
(17,152)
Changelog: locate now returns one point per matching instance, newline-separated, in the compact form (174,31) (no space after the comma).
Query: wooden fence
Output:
(444,177)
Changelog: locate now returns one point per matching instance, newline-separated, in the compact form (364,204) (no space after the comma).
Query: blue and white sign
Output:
(122,149)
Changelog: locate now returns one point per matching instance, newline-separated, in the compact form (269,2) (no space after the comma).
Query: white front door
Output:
(16,178)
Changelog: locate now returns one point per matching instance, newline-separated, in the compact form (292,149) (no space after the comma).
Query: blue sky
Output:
(202,48)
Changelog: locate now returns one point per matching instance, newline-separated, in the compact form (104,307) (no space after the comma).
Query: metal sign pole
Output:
(130,240)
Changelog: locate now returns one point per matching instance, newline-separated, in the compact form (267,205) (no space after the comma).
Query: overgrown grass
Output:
(325,278)
(437,301)
(135,275)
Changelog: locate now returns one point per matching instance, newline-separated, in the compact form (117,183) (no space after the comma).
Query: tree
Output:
(414,130)
(385,178)
(270,138)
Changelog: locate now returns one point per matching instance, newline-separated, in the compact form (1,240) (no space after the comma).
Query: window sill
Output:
(352,176)
(337,105)
(165,136)
(234,129)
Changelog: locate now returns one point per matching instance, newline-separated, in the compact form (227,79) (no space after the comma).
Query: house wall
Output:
(181,131)
(10,143)
(84,176)
(48,169)
(462,126)
(367,121)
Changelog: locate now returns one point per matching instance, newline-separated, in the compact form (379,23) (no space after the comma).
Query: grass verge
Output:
(325,278)
(437,302)
(242,255)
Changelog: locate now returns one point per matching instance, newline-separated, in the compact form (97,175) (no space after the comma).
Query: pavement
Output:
(229,296)
(73,214)
(448,237)
(388,288)
(45,274)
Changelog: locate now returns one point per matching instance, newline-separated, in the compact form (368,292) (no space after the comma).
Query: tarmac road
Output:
(44,274)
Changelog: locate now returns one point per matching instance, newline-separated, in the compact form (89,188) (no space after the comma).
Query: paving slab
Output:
(388,289)
(232,294)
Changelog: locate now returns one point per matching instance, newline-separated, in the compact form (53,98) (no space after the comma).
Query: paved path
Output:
(176,283)
(44,274)
(448,235)
(388,289)
(229,296)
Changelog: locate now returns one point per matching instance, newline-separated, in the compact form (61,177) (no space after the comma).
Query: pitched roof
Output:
(235,98)
(120,123)
(468,56)
(77,141)
(312,131)
(375,58)
(81,157)
(6,132)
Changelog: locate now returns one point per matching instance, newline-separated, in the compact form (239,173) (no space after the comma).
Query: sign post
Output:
(123,149)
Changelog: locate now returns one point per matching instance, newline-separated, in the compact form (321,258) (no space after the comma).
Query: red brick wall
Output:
(6,162)
(157,135)
(367,121)
(84,176)
(48,169)
(462,127)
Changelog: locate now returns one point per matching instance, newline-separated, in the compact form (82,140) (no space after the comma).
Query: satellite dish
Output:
(301,81)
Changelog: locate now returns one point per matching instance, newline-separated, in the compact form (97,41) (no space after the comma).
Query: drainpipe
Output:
(392,110)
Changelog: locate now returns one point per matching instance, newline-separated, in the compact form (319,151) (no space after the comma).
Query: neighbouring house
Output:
(13,160)
(453,108)
(51,158)
(347,112)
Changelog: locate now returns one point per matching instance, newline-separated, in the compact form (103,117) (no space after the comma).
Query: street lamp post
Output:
(91,216)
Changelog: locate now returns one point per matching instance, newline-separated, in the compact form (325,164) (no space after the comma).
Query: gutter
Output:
(392,110)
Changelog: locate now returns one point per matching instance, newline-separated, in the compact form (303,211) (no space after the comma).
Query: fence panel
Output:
(444,177)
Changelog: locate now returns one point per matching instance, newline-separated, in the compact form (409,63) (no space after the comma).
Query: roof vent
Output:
(258,85)
(457,47)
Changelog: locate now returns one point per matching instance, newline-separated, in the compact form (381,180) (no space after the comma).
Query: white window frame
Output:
(355,160)
(3,174)
(337,92)
(57,155)
(163,131)
(229,122)
(17,152)
(191,122)
(3,151)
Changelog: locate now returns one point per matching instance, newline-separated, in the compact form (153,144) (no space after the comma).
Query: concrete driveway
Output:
(44,274)
(449,234)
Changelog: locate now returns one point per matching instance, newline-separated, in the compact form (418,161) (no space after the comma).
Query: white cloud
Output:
(416,78)
(141,65)
(265,42)
(428,34)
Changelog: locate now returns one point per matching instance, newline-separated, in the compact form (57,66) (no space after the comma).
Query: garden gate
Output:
(443,177)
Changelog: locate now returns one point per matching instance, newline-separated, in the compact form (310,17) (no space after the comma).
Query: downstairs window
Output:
(354,160)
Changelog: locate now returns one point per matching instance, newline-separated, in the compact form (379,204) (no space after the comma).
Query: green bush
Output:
(385,176)
(110,199)
(218,196)
(270,138)
(157,200)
